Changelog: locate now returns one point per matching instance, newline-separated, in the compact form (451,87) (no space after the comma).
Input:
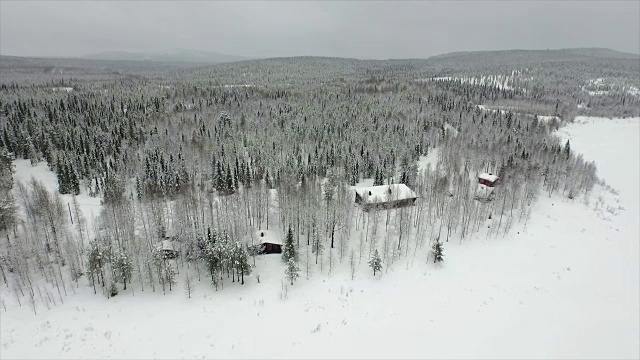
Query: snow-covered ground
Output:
(566,285)
(24,172)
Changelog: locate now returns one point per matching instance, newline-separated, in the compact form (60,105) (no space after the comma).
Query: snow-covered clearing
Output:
(502,82)
(24,173)
(540,118)
(566,285)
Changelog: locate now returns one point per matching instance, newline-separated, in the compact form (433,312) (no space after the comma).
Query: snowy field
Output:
(566,285)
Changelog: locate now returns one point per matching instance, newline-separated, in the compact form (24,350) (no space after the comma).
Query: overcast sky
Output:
(330,28)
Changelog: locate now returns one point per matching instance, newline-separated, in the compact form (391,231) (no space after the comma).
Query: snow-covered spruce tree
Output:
(437,251)
(375,262)
(289,251)
(292,271)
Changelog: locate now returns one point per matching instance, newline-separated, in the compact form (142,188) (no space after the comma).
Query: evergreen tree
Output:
(289,251)
(437,250)
(292,271)
(220,180)
(376,178)
(229,188)
(74,183)
(375,262)
(62,173)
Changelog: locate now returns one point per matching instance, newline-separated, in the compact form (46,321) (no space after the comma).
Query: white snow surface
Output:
(89,206)
(488,176)
(566,285)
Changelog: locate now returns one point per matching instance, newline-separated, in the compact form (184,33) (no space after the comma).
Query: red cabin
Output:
(488,179)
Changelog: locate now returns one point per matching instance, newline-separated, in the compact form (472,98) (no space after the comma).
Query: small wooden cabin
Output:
(269,240)
(488,179)
(385,197)
(167,248)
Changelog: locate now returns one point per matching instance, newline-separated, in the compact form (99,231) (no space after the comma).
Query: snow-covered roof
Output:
(384,193)
(166,245)
(268,236)
(488,177)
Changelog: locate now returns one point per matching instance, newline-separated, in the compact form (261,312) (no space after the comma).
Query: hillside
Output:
(170,56)
(517,55)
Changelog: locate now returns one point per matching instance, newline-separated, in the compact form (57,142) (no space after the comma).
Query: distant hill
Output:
(557,55)
(170,56)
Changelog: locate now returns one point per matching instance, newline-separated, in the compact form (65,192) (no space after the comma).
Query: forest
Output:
(203,156)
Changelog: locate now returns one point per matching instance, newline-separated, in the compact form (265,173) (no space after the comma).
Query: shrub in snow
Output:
(113,290)
(289,251)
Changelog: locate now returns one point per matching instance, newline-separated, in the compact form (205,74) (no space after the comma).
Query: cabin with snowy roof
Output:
(269,241)
(385,197)
(488,179)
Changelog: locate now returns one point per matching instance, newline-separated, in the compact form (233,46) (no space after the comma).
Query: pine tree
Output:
(289,251)
(376,178)
(292,271)
(74,185)
(229,188)
(220,180)
(437,250)
(375,262)
(61,175)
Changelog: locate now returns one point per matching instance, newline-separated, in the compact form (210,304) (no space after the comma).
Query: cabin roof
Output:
(488,177)
(268,237)
(380,193)
(165,245)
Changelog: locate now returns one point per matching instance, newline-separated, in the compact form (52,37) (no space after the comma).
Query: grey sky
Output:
(331,28)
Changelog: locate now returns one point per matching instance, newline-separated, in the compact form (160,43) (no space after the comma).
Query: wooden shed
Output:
(385,197)
(269,240)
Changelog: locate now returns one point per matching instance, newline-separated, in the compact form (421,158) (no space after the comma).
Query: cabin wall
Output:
(271,248)
(389,204)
